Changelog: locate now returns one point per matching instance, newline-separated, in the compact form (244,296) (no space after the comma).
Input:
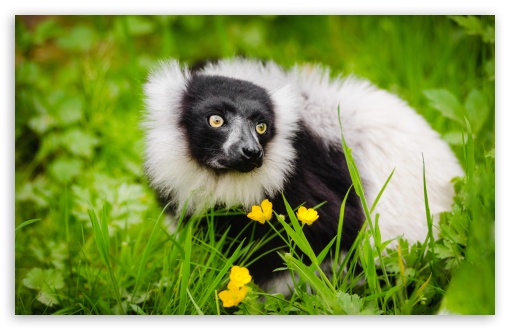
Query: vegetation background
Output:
(89,238)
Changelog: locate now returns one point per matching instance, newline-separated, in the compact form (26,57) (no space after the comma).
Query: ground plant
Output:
(91,237)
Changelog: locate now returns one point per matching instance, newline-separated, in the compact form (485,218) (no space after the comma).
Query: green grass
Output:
(90,237)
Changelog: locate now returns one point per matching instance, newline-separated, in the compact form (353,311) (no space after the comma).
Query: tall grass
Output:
(91,238)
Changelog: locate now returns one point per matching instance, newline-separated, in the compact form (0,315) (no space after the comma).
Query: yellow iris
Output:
(261,213)
(261,128)
(307,216)
(216,121)
(236,289)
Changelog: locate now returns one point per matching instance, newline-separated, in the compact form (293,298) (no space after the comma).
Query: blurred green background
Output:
(78,101)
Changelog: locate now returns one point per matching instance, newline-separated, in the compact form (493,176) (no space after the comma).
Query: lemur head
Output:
(221,136)
(228,122)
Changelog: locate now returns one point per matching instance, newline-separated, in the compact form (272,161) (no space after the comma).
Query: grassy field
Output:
(90,236)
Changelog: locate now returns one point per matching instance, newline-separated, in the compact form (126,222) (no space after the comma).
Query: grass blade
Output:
(427,210)
(417,293)
(102,238)
(194,303)
(147,249)
(401,264)
(25,223)
(185,272)
(212,286)
(308,275)
(358,187)
(98,235)
(297,234)
(381,191)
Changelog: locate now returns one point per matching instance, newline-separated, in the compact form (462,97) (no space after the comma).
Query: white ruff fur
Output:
(382,130)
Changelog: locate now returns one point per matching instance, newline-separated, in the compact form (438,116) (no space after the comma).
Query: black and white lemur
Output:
(239,131)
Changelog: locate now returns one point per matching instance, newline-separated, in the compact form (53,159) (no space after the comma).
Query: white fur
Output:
(384,133)
(382,130)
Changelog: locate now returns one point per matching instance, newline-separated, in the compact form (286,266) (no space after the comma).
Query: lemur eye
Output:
(261,128)
(215,121)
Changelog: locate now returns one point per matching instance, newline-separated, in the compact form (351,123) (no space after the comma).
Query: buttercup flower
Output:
(239,276)
(307,216)
(236,289)
(261,213)
(233,296)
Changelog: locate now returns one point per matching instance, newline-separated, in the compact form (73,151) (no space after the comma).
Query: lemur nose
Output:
(252,153)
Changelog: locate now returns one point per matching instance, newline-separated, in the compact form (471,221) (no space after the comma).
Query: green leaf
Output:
(139,25)
(69,111)
(446,103)
(41,123)
(65,169)
(453,137)
(353,304)
(491,154)
(79,142)
(46,282)
(80,38)
(47,298)
(51,143)
(477,109)
(474,26)
(39,279)
(444,251)
(470,23)
(37,191)
(463,297)
(47,29)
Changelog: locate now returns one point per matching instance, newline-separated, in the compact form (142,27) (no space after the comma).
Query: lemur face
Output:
(228,122)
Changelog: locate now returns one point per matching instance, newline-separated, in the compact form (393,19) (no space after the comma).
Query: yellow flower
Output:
(261,213)
(233,296)
(239,276)
(307,216)
(236,289)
